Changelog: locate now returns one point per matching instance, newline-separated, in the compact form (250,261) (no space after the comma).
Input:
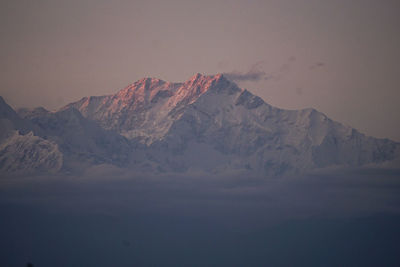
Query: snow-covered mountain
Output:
(205,124)
(147,109)
(209,123)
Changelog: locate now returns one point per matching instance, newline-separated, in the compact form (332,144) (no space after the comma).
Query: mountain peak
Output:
(145,84)
(200,77)
(196,77)
(143,89)
(28,113)
(199,84)
(6,110)
(149,80)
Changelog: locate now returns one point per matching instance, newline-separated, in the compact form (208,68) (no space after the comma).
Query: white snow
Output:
(204,124)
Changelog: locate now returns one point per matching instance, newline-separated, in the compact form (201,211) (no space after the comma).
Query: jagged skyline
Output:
(205,124)
(335,56)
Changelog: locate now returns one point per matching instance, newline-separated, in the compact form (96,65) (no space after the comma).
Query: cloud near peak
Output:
(255,73)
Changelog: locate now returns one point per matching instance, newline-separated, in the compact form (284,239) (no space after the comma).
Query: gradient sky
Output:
(338,56)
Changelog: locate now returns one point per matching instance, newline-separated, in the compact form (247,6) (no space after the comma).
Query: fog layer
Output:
(111,217)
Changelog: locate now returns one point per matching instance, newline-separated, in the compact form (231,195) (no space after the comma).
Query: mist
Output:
(111,217)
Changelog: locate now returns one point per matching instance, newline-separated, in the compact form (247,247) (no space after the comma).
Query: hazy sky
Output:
(338,56)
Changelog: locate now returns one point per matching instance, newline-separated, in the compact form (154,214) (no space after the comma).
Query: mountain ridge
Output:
(112,111)
(206,123)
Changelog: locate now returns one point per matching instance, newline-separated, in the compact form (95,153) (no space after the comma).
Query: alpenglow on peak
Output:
(206,123)
(240,127)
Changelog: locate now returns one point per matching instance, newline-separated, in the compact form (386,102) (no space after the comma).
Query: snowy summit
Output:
(205,124)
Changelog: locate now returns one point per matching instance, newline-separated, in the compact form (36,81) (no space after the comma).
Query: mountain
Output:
(206,124)
(37,140)
(210,124)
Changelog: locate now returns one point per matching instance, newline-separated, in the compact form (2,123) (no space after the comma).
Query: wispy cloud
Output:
(255,73)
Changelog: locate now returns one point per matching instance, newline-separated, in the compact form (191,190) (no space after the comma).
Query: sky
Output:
(340,57)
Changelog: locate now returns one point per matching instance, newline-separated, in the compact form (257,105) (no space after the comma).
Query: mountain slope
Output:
(29,153)
(10,121)
(20,150)
(82,141)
